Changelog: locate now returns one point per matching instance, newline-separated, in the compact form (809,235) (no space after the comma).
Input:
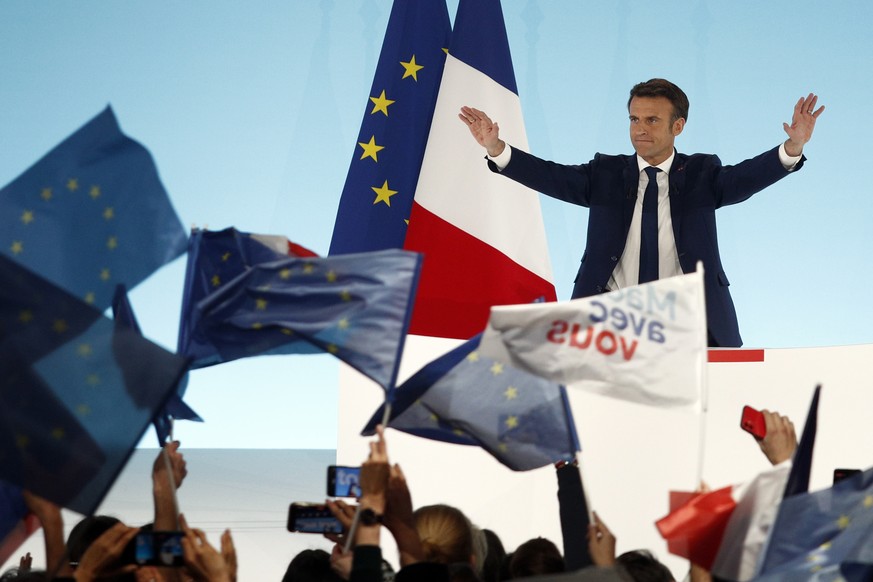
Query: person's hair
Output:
(642,566)
(490,570)
(446,534)
(311,566)
(85,532)
(535,557)
(666,89)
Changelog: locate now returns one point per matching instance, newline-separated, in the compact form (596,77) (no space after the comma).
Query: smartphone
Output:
(312,518)
(343,481)
(753,423)
(158,548)
(840,474)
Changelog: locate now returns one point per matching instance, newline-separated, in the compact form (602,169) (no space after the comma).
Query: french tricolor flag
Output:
(482,235)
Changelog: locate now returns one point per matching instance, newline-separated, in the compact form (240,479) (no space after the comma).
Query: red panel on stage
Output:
(736,356)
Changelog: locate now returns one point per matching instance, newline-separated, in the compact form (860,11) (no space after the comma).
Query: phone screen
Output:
(159,548)
(343,481)
(312,518)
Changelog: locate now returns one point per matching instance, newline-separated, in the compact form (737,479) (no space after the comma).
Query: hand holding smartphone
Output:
(752,421)
(312,518)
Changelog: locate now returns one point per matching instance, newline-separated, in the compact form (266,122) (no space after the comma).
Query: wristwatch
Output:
(369,517)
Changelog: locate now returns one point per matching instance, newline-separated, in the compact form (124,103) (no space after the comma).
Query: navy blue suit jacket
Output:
(699,184)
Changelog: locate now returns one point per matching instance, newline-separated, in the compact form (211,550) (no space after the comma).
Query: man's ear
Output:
(678,126)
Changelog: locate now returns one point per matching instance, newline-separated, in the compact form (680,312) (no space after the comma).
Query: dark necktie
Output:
(649,241)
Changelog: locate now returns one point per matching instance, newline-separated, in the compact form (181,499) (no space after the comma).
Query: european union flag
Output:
(76,391)
(175,408)
(826,535)
(218,257)
(465,398)
(356,307)
(383,174)
(91,213)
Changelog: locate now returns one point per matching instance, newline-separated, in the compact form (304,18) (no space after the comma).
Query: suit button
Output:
(613,259)
(599,289)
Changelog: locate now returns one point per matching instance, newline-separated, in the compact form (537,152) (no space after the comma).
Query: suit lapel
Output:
(631,189)
(677,186)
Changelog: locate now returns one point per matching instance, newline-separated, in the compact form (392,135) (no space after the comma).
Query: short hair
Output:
(311,566)
(446,534)
(86,532)
(642,566)
(662,88)
(536,557)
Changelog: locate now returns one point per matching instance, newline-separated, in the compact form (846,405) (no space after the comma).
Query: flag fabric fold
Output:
(462,397)
(356,307)
(175,407)
(798,480)
(377,197)
(644,344)
(724,530)
(482,235)
(91,213)
(216,258)
(76,391)
(825,535)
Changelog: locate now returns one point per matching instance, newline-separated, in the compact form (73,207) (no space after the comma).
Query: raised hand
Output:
(802,124)
(780,442)
(485,131)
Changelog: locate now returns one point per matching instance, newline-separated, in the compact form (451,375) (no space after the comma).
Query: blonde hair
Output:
(446,534)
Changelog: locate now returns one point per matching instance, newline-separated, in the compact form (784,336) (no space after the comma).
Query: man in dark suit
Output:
(652,215)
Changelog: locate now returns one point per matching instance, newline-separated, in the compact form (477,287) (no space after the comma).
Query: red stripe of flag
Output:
(461,281)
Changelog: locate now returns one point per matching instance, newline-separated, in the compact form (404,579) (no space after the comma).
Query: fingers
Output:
(599,525)
(341,510)
(470,116)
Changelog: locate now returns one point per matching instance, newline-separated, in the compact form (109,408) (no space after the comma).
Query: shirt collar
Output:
(663,166)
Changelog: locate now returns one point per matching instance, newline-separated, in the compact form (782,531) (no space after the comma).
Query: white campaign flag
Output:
(646,344)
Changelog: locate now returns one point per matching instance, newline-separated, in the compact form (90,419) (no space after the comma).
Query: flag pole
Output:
(171,478)
(704,385)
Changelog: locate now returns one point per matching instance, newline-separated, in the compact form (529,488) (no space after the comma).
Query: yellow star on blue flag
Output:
(91,213)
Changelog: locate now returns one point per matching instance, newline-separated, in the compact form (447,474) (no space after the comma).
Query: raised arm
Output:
(802,124)
(485,131)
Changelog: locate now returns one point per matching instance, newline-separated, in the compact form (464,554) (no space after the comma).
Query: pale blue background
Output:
(252,109)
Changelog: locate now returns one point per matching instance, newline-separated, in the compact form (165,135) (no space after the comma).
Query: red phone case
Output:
(753,423)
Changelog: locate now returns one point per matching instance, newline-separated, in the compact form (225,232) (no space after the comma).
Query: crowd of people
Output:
(434,542)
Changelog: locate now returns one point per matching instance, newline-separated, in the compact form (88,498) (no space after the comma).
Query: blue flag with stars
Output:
(216,257)
(91,213)
(356,307)
(77,391)
(465,398)
(826,535)
(377,197)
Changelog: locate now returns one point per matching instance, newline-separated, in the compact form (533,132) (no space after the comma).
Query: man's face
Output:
(651,130)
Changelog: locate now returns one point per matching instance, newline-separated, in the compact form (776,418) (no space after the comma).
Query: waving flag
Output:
(91,213)
(175,408)
(356,307)
(826,535)
(645,344)
(465,398)
(217,257)
(76,391)
(482,235)
(725,530)
(377,197)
